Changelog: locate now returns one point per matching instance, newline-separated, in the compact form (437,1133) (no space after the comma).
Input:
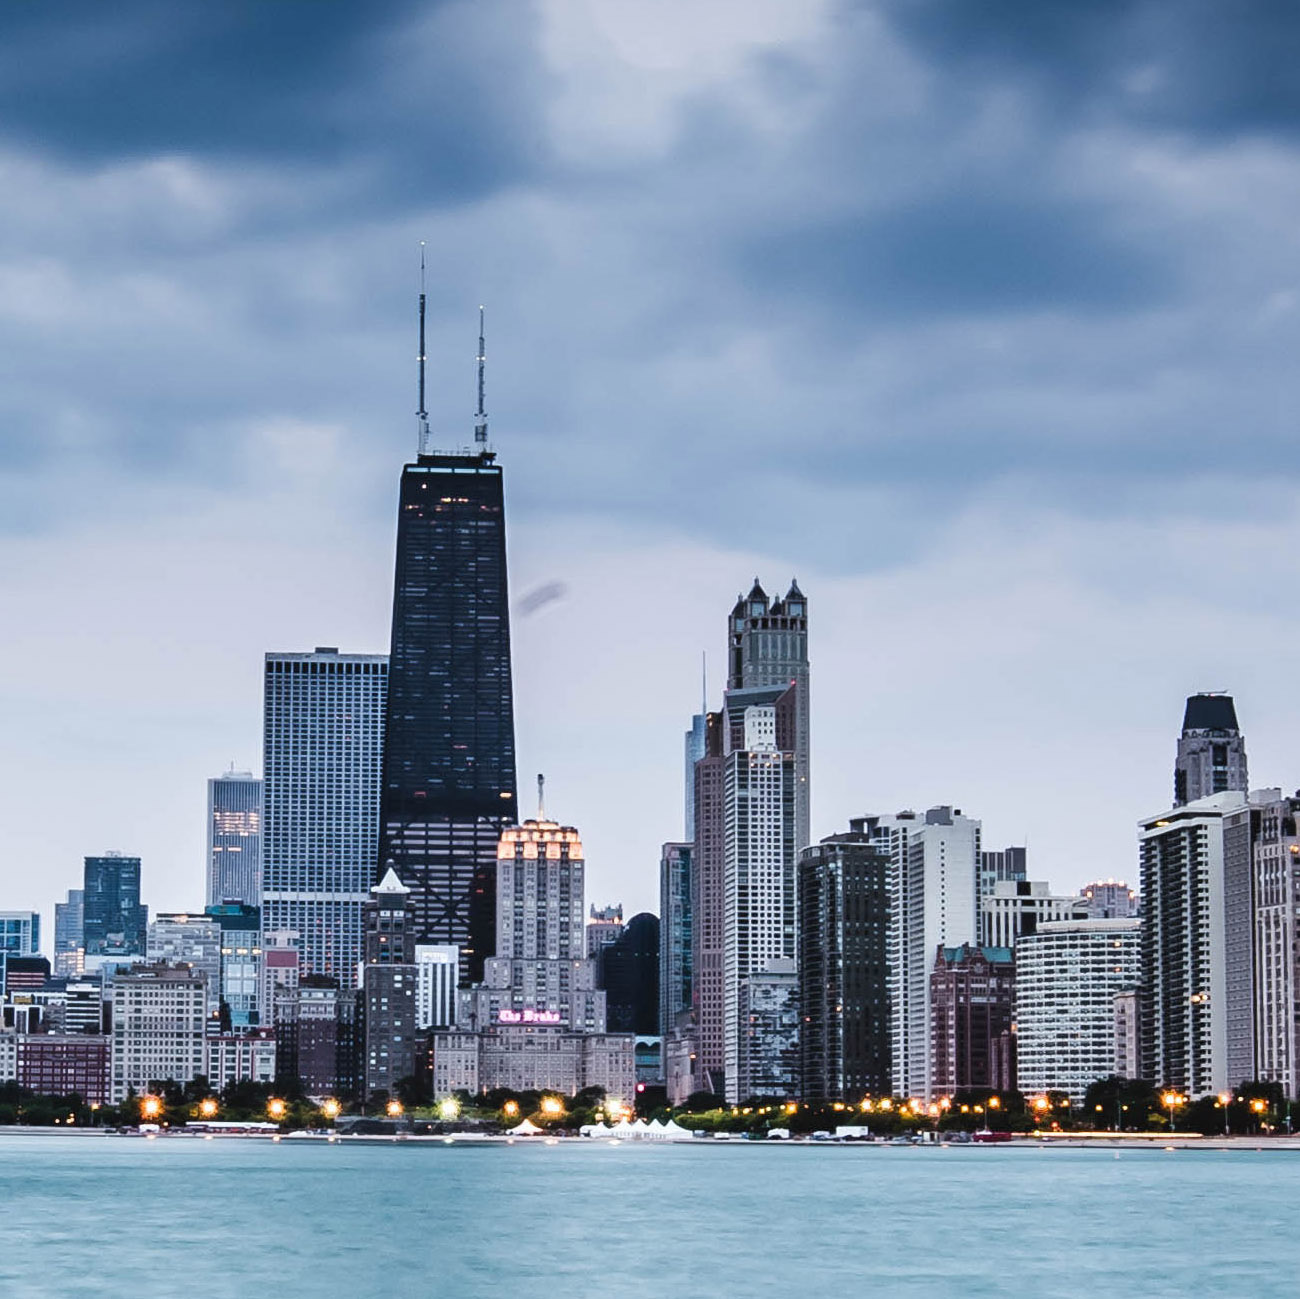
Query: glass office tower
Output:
(449,743)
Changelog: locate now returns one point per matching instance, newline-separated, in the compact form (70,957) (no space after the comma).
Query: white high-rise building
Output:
(1015,907)
(934,880)
(760,807)
(322,753)
(158,1028)
(1196,1023)
(437,969)
(1068,975)
(234,839)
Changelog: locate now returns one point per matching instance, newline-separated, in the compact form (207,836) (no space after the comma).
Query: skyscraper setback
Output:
(448,783)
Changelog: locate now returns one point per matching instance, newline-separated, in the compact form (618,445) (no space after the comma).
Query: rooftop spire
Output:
(541,797)
(422,415)
(480,418)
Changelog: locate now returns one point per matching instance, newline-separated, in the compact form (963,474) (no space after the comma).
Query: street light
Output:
(449,1109)
(331,1109)
(1225,1099)
(511,1109)
(1171,1099)
(276,1108)
(208,1108)
(394,1109)
(552,1107)
(150,1107)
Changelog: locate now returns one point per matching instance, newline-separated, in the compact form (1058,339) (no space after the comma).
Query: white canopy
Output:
(526,1129)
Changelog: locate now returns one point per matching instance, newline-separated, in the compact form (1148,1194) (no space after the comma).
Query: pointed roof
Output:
(390,883)
(794,592)
(756,592)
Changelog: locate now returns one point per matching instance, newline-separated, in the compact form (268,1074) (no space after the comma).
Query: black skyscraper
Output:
(449,742)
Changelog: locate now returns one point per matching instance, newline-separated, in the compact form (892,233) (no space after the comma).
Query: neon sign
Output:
(528,1016)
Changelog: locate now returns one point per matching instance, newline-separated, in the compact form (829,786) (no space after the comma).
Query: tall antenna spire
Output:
(422,415)
(480,418)
(541,797)
(704,682)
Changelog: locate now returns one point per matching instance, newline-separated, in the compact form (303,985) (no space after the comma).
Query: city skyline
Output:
(975,428)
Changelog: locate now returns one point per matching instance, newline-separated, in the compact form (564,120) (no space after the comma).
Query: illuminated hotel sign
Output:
(528,1016)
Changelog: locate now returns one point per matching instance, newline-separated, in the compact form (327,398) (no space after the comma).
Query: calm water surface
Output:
(136,1219)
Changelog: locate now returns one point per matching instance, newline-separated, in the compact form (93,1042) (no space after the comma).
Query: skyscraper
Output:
(1277,939)
(114,921)
(1068,977)
(971,995)
(768,646)
(1195,969)
(708,912)
(759,817)
(388,987)
(234,838)
(69,936)
(627,970)
(843,976)
(1211,750)
(322,745)
(675,952)
(449,746)
(934,865)
(539,974)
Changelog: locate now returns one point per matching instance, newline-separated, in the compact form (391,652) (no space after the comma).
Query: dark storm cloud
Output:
(961,252)
(297,82)
(1193,65)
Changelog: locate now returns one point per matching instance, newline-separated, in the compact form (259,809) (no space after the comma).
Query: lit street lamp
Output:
(1172,1100)
(1225,1099)
(150,1107)
(276,1108)
(208,1108)
(331,1109)
(394,1109)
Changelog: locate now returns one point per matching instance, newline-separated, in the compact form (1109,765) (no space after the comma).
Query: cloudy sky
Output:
(979,320)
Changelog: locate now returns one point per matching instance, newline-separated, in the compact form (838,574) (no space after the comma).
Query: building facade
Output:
(604,926)
(235,839)
(1068,976)
(69,935)
(1109,900)
(768,1059)
(388,986)
(1211,750)
(1187,1008)
(113,919)
(540,974)
(767,646)
(158,1028)
(183,938)
(1276,993)
(843,919)
(246,1056)
(675,953)
(627,971)
(759,839)
(448,784)
(933,886)
(322,749)
(1016,907)
(242,980)
(972,995)
(437,970)
(63,1064)
(20,933)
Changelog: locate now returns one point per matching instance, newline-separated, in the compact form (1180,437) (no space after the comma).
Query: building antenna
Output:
(422,415)
(704,682)
(480,418)
(541,797)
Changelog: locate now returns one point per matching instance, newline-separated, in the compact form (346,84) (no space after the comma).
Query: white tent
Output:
(526,1129)
(595,1130)
(673,1131)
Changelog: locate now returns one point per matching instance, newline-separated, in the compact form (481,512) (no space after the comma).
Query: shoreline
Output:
(1065,1140)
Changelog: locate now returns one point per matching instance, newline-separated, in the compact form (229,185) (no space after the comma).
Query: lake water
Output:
(138,1219)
